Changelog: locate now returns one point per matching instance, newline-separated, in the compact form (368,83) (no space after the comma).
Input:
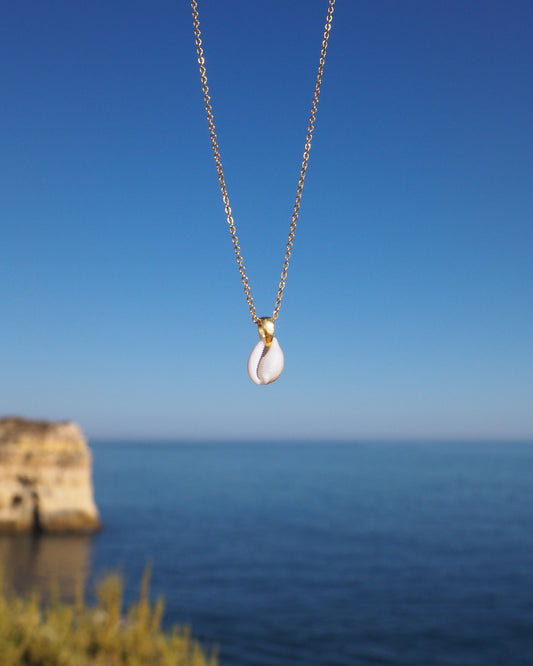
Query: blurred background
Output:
(373,505)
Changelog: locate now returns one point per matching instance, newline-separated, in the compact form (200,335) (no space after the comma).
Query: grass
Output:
(57,633)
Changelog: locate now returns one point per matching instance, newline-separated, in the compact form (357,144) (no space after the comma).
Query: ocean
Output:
(316,554)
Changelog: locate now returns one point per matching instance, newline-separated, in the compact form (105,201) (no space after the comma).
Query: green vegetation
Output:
(56,633)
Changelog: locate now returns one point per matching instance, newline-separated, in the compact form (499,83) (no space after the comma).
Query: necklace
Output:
(265,363)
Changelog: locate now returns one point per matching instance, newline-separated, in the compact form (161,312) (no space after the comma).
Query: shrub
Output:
(57,633)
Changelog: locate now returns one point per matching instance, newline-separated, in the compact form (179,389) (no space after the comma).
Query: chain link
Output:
(218,162)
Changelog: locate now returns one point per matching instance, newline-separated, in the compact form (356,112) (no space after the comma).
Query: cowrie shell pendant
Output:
(265,363)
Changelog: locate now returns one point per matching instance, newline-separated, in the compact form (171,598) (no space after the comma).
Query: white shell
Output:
(265,364)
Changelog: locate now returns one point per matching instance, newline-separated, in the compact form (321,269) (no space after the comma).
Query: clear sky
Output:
(408,310)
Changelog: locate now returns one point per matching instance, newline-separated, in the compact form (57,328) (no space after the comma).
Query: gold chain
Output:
(216,153)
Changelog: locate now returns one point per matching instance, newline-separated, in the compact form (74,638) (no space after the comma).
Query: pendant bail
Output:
(265,328)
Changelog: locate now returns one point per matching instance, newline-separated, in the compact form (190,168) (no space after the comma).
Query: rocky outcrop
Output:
(45,477)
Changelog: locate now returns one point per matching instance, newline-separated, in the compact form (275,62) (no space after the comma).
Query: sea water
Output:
(317,554)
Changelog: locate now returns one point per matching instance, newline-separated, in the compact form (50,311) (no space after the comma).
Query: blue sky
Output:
(408,308)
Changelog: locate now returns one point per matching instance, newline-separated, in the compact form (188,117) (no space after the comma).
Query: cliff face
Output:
(45,477)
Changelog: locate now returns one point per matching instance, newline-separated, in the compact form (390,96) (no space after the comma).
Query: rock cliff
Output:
(45,477)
